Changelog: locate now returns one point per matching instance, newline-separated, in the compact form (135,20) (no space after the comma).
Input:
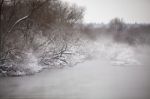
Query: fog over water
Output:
(50,49)
(100,77)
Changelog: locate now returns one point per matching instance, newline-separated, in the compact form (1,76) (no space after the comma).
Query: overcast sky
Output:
(104,10)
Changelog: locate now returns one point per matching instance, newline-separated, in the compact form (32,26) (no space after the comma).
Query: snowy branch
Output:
(18,21)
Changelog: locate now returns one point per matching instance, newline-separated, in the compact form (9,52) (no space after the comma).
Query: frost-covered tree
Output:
(24,22)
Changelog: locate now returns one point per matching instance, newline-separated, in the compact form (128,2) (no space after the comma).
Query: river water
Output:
(92,79)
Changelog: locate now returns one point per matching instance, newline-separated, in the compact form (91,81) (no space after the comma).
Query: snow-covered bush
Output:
(36,34)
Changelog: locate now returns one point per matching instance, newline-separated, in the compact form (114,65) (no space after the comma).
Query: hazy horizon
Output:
(131,11)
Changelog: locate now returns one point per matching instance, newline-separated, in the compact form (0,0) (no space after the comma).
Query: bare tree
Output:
(12,15)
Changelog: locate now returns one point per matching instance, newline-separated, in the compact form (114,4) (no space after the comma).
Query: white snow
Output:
(31,63)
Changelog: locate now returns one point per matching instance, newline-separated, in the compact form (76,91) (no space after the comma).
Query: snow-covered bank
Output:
(32,62)
(119,54)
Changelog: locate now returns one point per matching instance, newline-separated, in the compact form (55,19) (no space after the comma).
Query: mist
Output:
(56,49)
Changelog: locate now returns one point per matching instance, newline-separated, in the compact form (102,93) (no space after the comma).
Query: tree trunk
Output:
(1,43)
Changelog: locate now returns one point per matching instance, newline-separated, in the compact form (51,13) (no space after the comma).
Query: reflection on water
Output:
(95,79)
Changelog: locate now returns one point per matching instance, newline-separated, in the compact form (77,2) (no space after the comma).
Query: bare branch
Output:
(18,21)
(25,17)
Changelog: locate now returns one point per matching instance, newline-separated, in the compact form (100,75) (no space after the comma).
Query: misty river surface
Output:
(93,79)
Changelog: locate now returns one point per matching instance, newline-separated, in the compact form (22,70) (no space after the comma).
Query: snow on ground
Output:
(29,66)
(32,62)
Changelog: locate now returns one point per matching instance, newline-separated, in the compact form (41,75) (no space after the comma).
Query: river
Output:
(92,79)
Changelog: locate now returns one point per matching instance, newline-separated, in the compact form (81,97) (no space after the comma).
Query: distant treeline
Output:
(122,32)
